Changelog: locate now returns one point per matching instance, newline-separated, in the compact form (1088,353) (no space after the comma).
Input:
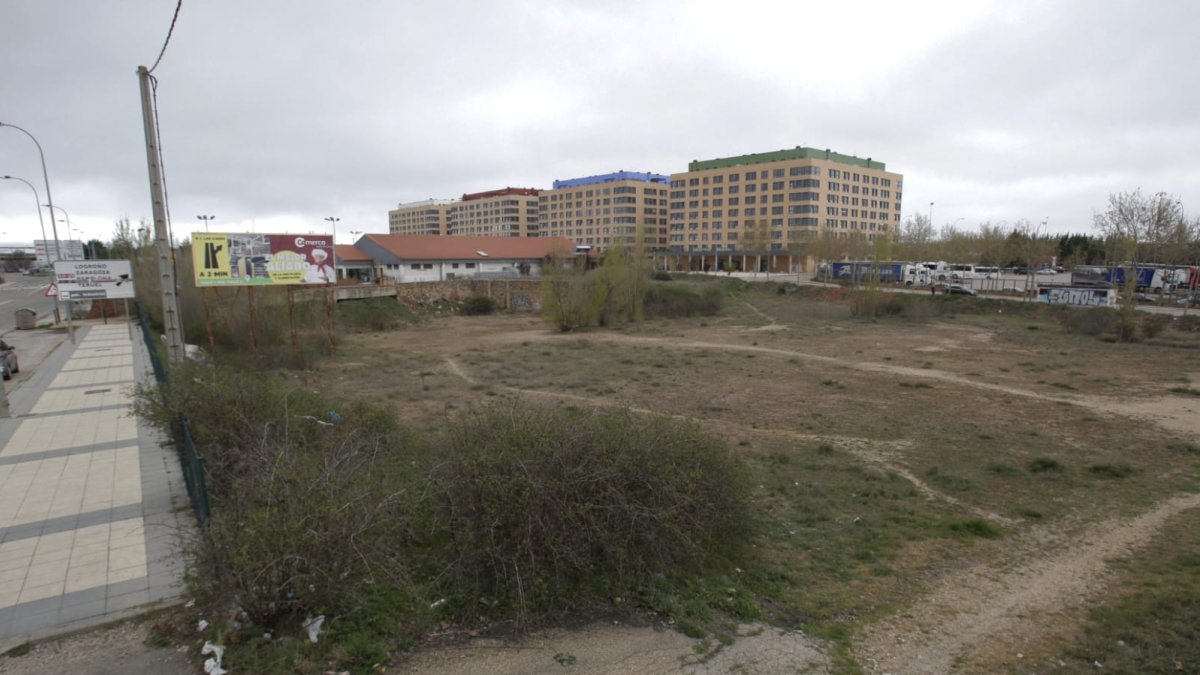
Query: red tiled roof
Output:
(463,247)
(347,253)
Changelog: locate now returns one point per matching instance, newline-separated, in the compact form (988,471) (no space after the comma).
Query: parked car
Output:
(954,289)
(1047,270)
(1145,297)
(8,360)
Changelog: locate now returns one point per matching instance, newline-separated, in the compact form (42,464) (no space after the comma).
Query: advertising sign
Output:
(93,279)
(262,259)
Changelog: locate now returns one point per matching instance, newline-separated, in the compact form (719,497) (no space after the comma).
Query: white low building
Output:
(412,258)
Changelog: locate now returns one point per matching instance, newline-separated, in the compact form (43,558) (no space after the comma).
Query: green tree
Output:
(571,296)
(94,249)
(17,261)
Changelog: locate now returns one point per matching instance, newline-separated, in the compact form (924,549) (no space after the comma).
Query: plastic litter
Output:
(313,627)
(190,604)
(212,665)
(334,416)
(201,626)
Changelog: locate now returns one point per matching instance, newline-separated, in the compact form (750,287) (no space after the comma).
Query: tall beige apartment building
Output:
(510,212)
(431,216)
(603,210)
(769,201)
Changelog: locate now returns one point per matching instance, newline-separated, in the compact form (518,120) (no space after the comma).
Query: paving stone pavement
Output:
(92,505)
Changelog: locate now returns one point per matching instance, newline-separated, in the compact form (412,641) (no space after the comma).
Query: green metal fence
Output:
(189,458)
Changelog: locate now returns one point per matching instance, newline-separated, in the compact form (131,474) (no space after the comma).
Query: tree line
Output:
(1132,227)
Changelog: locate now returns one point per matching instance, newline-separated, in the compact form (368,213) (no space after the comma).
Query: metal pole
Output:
(207,316)
(333,290)
(330,301)
(253,319)
(46,179)
(172,323)
(41,221)
(292,316)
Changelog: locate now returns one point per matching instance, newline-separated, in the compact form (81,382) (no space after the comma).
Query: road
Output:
(19,291)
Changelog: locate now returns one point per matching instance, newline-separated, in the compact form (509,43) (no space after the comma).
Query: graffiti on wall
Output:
(1081,297)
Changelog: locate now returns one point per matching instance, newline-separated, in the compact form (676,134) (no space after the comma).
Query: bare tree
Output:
(915,239)
(1138,229)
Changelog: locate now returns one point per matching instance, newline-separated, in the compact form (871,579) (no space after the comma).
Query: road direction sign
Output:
(93,279)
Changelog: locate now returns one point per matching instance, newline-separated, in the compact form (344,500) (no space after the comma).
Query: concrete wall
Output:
(508,293)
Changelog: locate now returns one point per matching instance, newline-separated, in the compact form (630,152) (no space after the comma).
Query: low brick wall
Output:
(514,294)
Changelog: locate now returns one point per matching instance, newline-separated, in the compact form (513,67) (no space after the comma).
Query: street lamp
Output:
(333,220)
(206,219)
(931,215)
(38,204)
(68,221)
(70,235)
(46,179)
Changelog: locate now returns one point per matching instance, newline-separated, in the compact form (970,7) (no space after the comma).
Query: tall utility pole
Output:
(172,323)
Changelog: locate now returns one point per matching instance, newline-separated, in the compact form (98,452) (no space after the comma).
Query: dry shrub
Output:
(672,301)
(550,507)
(324,507)
(310,504)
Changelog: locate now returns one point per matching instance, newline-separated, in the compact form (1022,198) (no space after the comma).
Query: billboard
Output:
(262,259)
(93,279)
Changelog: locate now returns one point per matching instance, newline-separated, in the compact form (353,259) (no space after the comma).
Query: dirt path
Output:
(979,608)
(608,648)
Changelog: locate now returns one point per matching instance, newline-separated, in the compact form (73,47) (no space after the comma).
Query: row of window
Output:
(854,177)
(779,186)
(853,189)
(619,190)
(751,175)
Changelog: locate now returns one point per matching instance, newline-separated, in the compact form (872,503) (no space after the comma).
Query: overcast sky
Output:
(277,114)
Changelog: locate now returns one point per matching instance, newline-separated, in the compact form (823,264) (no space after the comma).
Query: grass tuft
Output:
(976,527)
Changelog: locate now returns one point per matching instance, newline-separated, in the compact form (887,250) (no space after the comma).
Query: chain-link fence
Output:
(189,459)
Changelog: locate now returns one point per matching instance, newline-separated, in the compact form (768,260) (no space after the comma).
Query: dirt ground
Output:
(951,408)
(1069,392)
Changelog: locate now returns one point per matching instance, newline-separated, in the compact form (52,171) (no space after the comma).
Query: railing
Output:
(189,458)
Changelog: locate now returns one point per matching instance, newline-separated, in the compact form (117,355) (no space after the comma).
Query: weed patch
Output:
(1044,465)
(975,527)
(1111,470)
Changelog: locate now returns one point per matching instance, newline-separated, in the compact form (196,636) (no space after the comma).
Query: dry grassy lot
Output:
(942,493)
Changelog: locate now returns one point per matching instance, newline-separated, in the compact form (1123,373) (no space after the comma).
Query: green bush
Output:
(477,305)
(673,302)
(662,275)
(553,507)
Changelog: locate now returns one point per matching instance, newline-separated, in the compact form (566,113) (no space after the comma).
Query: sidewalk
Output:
(91,503)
